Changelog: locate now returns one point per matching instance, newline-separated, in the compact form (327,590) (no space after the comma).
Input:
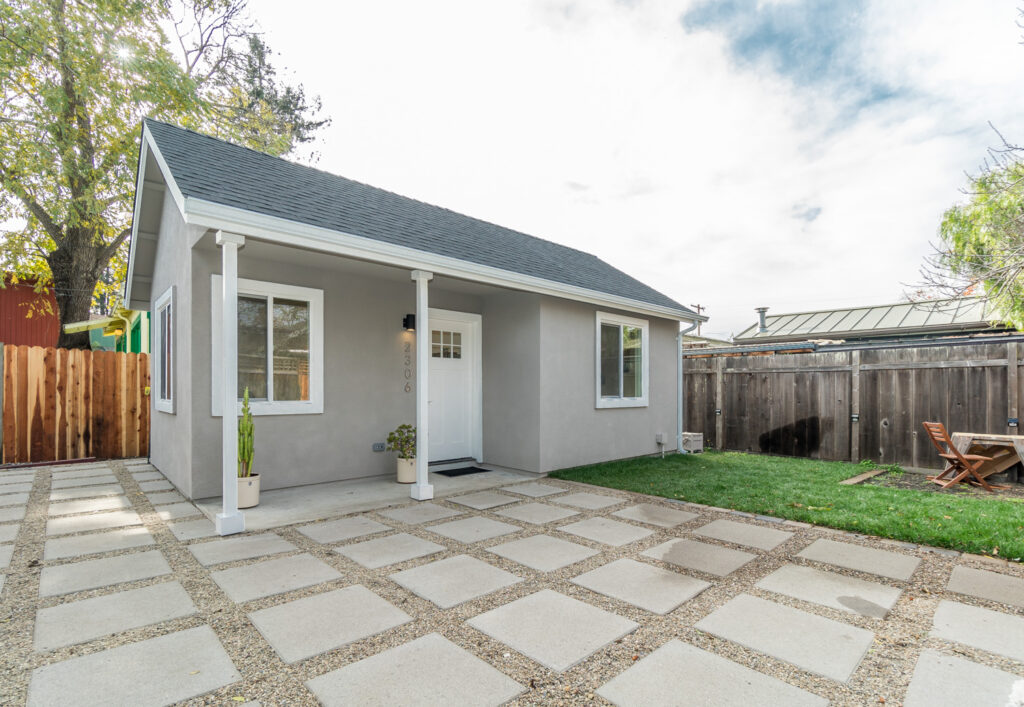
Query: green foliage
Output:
(868,465)
(808,490)
(246,438)
(403,441)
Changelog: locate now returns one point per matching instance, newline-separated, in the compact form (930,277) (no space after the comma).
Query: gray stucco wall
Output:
(572,430)
(169,432)
(364,395)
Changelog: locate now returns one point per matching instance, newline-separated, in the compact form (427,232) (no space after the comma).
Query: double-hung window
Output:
(623,361)
(163,353)
(280,347)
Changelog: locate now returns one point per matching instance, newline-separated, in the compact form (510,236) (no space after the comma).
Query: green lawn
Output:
(808,490)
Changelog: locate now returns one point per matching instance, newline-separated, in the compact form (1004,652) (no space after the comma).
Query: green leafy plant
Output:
(403,441)
(246,437)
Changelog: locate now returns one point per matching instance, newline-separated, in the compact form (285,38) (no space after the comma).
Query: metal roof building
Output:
(905,320)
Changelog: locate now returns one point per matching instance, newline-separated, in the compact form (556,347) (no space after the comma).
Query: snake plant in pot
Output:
(248,482)
(403,441)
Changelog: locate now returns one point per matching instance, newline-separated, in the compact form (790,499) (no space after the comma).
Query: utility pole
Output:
(700,308)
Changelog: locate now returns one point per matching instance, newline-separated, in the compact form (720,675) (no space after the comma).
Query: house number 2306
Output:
(408,366)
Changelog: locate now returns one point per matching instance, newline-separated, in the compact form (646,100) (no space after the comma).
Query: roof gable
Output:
(219,172)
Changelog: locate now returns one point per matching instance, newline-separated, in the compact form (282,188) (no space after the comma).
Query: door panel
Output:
(451,387)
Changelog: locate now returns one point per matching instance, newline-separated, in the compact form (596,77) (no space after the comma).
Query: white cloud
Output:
(608,127)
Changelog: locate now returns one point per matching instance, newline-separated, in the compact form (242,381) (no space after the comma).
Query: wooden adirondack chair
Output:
(959,466)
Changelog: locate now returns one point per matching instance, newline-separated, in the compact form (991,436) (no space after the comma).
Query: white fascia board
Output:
(217,216)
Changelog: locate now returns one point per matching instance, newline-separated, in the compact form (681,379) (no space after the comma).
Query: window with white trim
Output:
(162,385)
(280,347)
(623,361)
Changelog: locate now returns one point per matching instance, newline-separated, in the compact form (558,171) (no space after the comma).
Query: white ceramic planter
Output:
(406,471)
(248,491)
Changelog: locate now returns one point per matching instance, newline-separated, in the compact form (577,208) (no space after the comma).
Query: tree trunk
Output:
(76,270)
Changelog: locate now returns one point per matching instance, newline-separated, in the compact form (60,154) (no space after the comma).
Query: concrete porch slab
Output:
(949,681)
(655,515)
(678,669)
(305,504)
(454,580)
(434,671)
(652,588)
(836,591)
(555,630)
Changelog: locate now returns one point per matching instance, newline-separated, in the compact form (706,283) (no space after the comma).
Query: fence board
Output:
(67,404)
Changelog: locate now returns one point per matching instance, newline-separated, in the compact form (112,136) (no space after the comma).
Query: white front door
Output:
(454,385)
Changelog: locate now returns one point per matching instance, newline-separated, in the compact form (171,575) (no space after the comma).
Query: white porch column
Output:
(422,490)
(230,520)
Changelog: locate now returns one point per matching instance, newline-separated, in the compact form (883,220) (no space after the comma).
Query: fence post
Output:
(719,412)
(1012,389)
(855,406)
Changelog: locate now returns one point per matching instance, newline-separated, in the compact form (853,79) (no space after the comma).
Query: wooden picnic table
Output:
(1005,450)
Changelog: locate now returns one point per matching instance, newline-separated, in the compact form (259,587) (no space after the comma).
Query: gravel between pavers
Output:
(884,673)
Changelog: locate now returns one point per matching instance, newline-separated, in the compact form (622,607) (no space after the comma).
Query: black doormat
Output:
(462,472)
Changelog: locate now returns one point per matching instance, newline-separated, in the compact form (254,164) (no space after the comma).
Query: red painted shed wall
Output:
(41,329)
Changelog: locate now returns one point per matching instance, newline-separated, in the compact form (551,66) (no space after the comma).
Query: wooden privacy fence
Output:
(69,404)
(853,404)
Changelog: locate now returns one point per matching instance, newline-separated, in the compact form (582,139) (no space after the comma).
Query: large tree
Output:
(76,79)
(981,248)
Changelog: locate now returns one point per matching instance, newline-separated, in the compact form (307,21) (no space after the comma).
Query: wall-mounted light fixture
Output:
(409,322)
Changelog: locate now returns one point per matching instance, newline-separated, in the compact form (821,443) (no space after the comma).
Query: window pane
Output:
(632,362)
(610,342)
(252,347)
(291,350)
(435,337)
(165,358)
(436,351)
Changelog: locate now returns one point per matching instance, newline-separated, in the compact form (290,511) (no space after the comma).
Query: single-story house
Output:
(326,297)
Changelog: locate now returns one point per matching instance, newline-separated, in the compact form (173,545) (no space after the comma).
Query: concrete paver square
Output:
(336,531)
(177,510)
(9,478)
(655,515)
(543,552)
(156,485)
(988,630)
(312,625)
(473,529)
(948,681)
(703,557)
(14,499)
(76,524)
(157,671)
(744,534)
(6,553)
(276,576)
(82,473)
(536,513)
(863,559)
(555,630)
(86,492)
(389,550)
(88,619)
(534,489)
(89,505)
(8,533)
(79,545)
(107,478)
(241,548)
(433,670)
(191,529)
(833,590)
(589,501)
(90,574)
(160,498)
(677,669)
(454,580)
(810,642)
(652,588)
(11,514)
(987,585)
(422,512)
(482,500)
(147,476)
(607,531)
(24,487)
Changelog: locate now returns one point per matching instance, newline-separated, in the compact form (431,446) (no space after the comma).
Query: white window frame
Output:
(164,301)
(617,401)
(258,288)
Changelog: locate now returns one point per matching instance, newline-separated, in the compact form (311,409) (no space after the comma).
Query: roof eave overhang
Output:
(210,215)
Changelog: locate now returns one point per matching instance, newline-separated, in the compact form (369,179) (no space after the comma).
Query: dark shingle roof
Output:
(220,172)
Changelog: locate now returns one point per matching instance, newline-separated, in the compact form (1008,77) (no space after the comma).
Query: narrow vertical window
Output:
(163,359)
(622,361)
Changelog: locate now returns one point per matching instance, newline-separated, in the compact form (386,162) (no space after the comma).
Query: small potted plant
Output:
(403,441)
(248,482)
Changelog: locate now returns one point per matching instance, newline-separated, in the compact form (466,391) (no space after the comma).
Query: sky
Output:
(794,154)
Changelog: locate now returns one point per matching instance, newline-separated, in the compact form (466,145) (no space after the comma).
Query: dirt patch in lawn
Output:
(920,482)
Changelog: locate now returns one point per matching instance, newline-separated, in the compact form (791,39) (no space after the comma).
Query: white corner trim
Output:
(600,401)
(160,404)
(315,297)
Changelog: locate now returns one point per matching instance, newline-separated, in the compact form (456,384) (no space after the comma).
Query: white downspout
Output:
(680,406)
